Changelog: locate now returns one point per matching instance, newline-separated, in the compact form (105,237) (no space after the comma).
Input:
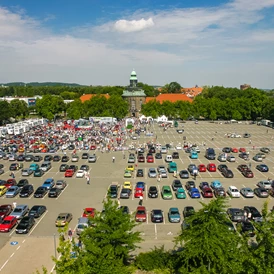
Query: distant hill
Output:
(44,84)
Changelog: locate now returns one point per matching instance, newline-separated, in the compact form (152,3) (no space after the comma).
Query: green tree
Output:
(5,112)
(19,108)
(75,109)
(49,106)
(174,87)
(117,107)
(96,106)
(207,244)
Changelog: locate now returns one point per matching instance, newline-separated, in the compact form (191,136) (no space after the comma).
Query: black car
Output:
(113,191)
(71,147)
(37,158)
(236,214)
(22,183)
(38,173)
(56,158)
(152,150)
(124,209)
(140,173)
(175,155)
(157,216)
(246,227)
(37,210)
(227,173)
(188,211)
(226,149)
(152,192)
(54,192)
(210,154)
(63,167)
(1,166)
(20,158)
(65,159)
(85,155)
(190,184)
(84,167)
(253,213)
(29,158)
(176,184)
(26,191)
(184,174)
(25,225)
(40,192)
(265,149)
(48,158)
(222,167)
(158,155)
(73,167)
(244,155)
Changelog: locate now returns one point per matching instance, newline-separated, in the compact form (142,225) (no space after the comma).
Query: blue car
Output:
(193,154)
(140,185)
(49,183)
(216,184)
(194,193)
(262,168)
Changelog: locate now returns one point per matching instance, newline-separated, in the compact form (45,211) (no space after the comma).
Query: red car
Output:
(248,173)
(211,167)
(202,168)
(138,192)
(5,210)
(69,173)
(207,192)
(10,182)
(242,149)
(89,212)
(141,214)
(92,147)
(242,167)
(8,223)
(234,150)
(141,159)
(150,159)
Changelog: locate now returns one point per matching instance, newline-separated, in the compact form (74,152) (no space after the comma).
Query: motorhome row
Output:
(21,127)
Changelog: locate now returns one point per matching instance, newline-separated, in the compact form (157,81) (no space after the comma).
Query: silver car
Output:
(75,158)
(162,170)
(265,184)
(152,173)
(12,191)
(61,184)
(247,192)
(191,168)
(92,158)
(231,158)
(20,211)
(26,172)
(222,158)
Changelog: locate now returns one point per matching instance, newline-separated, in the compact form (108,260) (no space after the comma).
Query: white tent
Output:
(162,118)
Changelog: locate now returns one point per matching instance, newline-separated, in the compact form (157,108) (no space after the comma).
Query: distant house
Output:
(86,97)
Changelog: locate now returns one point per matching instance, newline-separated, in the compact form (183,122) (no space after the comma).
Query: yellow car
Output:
(3,190)
(130,168)
(127,185)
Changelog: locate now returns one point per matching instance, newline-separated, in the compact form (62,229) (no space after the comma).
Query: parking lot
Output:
(79,195)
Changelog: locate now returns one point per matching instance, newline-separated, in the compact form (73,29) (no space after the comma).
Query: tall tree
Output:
(174,87)
(208,246)
(19,108)
(5,112)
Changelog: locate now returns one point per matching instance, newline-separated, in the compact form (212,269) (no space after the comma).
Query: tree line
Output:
(204,245)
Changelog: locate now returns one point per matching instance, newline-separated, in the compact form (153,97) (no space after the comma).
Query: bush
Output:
(158,258)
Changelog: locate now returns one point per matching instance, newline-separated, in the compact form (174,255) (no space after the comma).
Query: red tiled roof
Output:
(87,97)
(171,97)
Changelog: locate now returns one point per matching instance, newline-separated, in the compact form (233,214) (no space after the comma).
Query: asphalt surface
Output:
(36,248)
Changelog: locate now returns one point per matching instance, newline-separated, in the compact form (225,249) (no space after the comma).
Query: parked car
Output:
(258,158)
(184,174)
(265,184)
(265,150)
(235,214)
(176,184)
(262,168)
(141,214)
(190,184)
(40,192)
(188,211)
(231,158)
(261,192)
(246,227)
(152,173)
(63,219)
(125,193)
(20,211)
(253,214)
(26,172)
(140,173)
(194,193)
(25,225)
(157,216)
(247,192)
(54,192)
(26,191)
(180,193)
(12,191)
(166,193)
(233,192)
(153,192)
(38,173)
(8,224)
(37,210)
(49,183)
(227,173)
(219,192)
(174,215)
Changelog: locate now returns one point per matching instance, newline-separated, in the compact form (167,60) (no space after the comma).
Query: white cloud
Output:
(205,46)
(133,25)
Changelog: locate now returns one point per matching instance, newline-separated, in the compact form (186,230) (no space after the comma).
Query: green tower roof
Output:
(133,75)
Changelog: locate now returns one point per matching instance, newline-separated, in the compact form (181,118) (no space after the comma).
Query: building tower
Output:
(133,79)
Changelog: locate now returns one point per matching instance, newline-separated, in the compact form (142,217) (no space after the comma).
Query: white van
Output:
(168,158)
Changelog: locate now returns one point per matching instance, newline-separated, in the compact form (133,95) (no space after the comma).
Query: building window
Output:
(133,105)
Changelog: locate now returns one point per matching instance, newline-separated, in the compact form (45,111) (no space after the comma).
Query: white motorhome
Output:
(3,132)
(10,130)
(107,120)
(18,130)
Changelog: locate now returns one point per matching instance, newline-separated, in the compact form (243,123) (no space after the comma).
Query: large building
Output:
(244,86)
(134,96)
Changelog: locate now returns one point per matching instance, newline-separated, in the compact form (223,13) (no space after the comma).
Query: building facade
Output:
(134,96)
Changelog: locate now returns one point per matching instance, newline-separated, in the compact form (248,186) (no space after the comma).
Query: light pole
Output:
(54,242)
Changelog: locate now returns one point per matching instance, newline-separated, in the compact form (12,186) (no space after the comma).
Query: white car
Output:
(265,184)
(64,147)
(231,158)
(163,150)
(233,192)
(179,147)
(80,173)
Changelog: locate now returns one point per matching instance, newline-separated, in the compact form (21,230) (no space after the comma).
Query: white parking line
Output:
(38,222)
(155,230)
(159,191)
(61,192)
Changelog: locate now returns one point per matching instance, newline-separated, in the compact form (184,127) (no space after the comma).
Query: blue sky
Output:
(99,42)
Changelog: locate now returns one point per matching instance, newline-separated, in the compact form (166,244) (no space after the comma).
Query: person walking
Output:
(70,235)
(12,175)
(113,159)
(14,204)
(119,202)
(88,179)
(141,200)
